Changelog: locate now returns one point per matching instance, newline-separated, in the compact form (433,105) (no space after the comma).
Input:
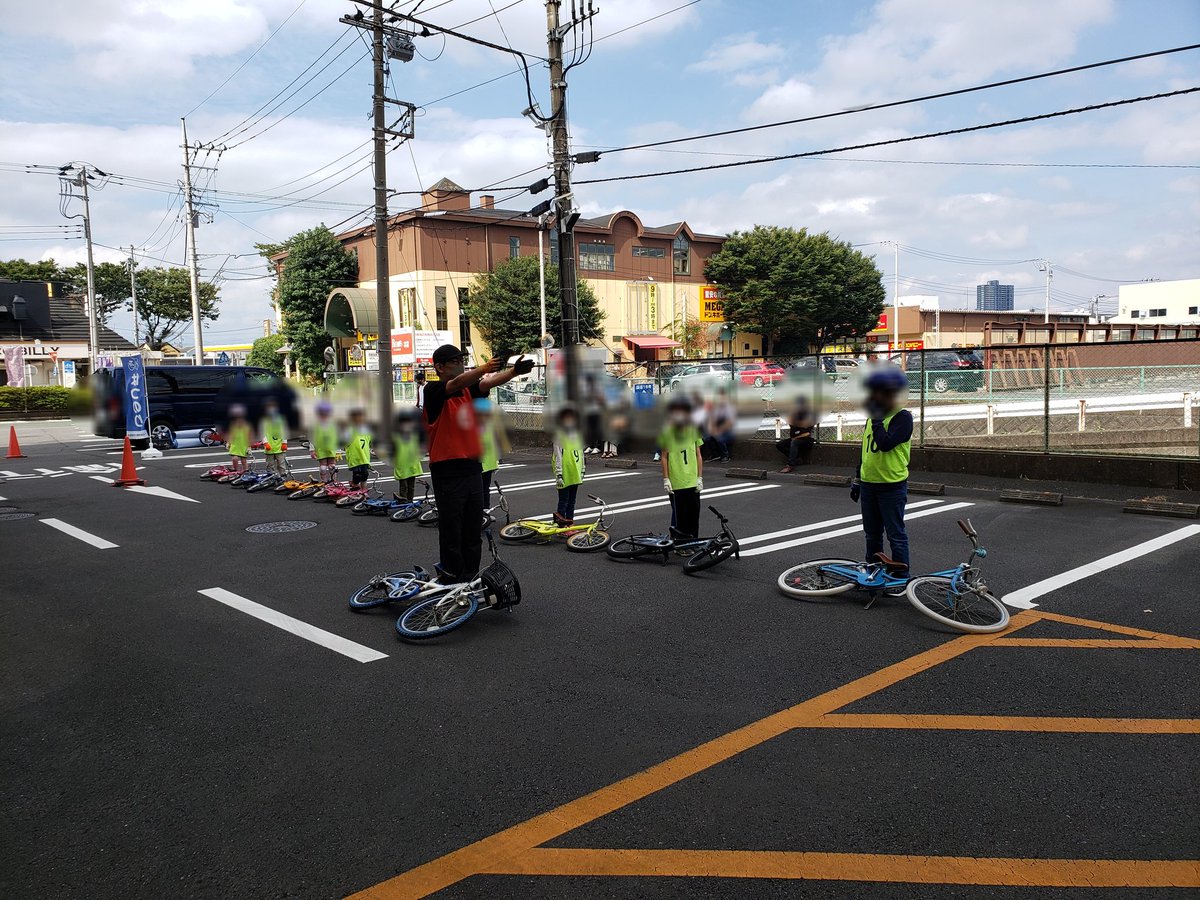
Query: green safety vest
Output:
(878,467)
(358,450)
(406,463)
(325,441)
(239,440)
(491,456)
(681,449)
(569,464)
(273,435)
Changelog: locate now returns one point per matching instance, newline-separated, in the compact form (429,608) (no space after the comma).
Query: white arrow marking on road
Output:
(812,539)
(1023,598)
(152,491)
(817,526)
(79,533)
(301,629)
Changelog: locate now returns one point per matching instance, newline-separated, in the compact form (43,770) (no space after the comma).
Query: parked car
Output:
(807,365)
(945,370)
(184,398)
(760,373)
(706,370)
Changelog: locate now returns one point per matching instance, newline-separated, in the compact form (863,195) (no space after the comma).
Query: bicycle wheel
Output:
(406,513)
(389,589)
(809,579)
(709,555)
(360,508)
(348,500)
(628,548)
(963,608)
(304,493)
(428,518)
(516,531)
(588,541)
(436,616)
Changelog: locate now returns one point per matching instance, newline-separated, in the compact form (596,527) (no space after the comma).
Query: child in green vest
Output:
(881,482)
(569,465)
(325,441)
(682,467)
(358,450)
(238,438)
(274,436)
(489,440)
(406,454)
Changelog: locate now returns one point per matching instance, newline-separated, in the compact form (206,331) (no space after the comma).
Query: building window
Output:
(1134,314)
(464,323)
(1157,313)
(439,307)
(600,257)
(1194,310)
(553,240)
(407,301)
(682,254)
(514,247)
(650,252)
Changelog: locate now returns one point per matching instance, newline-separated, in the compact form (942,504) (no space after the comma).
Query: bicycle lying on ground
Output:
(408,510)
(700,553)
(958,598)
(580,538)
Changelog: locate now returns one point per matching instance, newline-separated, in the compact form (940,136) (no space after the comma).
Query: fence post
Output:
(921,435)
(817,392)
(779,428)
(1046,398)
(991,419)
(1187,409)
(1082,415)
(839,426)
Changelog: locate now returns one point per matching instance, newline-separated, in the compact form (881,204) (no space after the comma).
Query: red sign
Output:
(402,343)
(881,325)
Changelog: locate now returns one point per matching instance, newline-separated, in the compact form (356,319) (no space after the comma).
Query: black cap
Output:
(445,353)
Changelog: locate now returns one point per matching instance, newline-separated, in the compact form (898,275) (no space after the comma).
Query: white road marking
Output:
(531,485)
(591,512)
(1024,597)
(119,448)
(312,633)
(143,489)
(856,529)
(79,534)
(817,526)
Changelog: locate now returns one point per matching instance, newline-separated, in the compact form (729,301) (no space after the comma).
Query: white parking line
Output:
(1023,598)
(590,512)
(312,633)
(813,538)
(531,485)
(817,526)
(78,533)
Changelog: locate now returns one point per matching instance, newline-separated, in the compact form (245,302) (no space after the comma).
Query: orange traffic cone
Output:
(14,449)
(128,469)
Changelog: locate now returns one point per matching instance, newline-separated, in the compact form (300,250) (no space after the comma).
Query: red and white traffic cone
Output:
(14,448)
(128,468)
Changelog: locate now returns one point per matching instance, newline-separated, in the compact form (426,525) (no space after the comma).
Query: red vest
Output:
(454,434)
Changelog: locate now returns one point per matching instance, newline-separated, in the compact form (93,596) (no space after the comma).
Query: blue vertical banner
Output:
(137,407)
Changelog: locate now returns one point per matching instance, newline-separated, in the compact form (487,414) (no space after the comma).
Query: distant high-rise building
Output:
(994,296)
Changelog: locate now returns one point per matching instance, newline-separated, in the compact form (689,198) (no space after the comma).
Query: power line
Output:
(904,140)
(895,103)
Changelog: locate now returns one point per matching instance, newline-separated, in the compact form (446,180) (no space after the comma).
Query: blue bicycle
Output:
(958,597)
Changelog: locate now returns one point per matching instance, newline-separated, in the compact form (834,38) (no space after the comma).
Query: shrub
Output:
(42,399)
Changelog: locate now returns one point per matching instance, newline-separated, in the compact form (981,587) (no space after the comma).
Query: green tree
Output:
(788,284)
(692,334)
(504,305)
(112,285)
(24,270)
(316,263)
(165,303)
(264,353)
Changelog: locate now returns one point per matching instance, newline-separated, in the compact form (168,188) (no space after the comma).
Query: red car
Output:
(758,374)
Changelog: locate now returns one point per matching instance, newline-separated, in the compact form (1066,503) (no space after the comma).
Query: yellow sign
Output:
(712,304)
(652,307)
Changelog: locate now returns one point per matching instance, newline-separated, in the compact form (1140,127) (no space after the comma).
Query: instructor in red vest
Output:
(455,452)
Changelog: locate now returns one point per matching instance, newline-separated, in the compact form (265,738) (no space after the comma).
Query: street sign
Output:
(222,358)
(643,395)
(68,373)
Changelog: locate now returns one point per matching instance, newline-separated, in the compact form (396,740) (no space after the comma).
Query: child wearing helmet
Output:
(406,454)
(682,466)
(881,480)
(274,435)
(325,441)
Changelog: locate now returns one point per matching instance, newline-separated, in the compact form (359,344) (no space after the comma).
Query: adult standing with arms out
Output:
(455,454)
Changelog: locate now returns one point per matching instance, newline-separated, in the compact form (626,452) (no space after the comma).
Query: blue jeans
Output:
(883,511)
(566,501)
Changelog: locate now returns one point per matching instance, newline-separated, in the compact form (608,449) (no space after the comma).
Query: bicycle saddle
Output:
(891,563)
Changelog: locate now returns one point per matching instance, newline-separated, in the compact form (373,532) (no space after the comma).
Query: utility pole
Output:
(1046,266)
(137,341)
(190,226)
(71,176)
(895,296)
(542,290)
(383,307)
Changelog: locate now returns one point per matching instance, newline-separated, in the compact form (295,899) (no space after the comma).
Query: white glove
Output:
(699,485)
(667,485)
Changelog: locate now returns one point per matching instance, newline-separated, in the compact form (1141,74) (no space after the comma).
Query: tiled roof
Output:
(67,323)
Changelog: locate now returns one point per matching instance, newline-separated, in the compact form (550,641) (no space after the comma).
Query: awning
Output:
(349,310)
(650,342)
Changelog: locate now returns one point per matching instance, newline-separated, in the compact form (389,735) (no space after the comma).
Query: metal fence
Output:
(1137,398)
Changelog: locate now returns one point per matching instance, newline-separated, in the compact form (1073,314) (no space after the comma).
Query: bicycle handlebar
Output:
(968,528)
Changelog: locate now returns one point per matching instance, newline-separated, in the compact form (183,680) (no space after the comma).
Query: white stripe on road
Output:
(79,533)
(143,489)
(1023,598)
(301,629)
(591,512)
(817,526)
(531,485)
(813,538)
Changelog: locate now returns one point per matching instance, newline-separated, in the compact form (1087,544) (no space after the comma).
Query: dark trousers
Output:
(685,511)
(797,450)
(460,512)
(883,511)
(405,487)
(566,501)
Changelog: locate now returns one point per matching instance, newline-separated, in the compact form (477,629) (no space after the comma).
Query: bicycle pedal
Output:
(871,601)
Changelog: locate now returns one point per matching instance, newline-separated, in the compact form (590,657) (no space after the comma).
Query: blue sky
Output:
(107,81)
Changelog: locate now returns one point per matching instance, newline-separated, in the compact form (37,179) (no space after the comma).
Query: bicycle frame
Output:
(667,544)
(874,576)
(549,530)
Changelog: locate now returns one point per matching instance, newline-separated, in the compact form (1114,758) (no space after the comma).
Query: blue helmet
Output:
(887,378)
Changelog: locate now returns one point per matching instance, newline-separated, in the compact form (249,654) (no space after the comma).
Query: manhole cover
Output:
(280,527)
(8,517)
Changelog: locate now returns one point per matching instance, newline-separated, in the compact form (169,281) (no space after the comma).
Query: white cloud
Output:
(738,53)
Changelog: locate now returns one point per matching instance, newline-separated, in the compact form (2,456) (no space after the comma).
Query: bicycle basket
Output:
(500,581)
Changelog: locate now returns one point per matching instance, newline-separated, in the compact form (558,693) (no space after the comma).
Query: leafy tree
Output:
(111,281)
(504,305)
(24,270)
(788,284)
(264,353)
(692,334)
(165,303)
(316,263)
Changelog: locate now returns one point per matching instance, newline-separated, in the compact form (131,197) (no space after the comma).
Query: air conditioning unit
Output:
(677,352)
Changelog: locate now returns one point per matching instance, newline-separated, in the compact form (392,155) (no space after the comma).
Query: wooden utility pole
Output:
(383,307)
(190,220)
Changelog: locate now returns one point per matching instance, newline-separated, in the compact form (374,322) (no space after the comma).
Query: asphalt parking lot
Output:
(627,731)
